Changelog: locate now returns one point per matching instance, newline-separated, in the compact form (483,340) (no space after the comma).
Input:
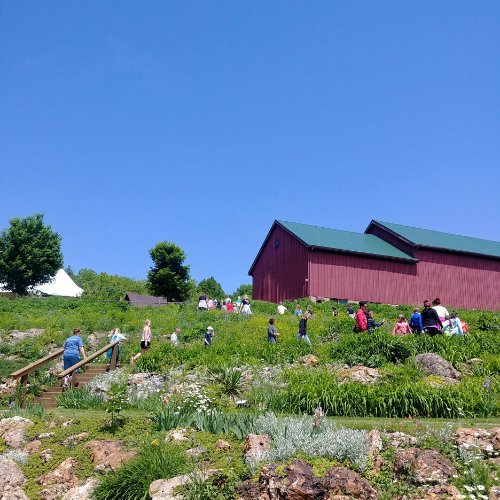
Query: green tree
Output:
(30,254)
(242,290)
(212,288)
(168,277)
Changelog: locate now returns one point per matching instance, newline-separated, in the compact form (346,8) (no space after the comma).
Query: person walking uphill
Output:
(245,305)
(73,347)
(430,320)
(146,336)
(361,321)
(272,333)
(302,335)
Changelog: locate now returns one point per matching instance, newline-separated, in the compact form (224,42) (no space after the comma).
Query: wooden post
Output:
(114,352)
(73,382)
(24,382)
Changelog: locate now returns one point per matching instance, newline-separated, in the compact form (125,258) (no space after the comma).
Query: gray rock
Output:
(163,489)
(17,494)
(11,476)
(13,424)
(82,492)
(435,365)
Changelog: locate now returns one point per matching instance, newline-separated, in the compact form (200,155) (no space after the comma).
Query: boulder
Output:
(16,336)
(256,445)
(426,466)
(309,360)
(46,455)
(54,492)
(435,365)
(106,453)
(398,439)
(65,474)
(163,489)
(33,447)
(297,482)
(16,439)
(82,492)
(14,424)
(17,494)
(222,445)
(483,439)
(76,438)
(359,373)
(494,493)
(11,476)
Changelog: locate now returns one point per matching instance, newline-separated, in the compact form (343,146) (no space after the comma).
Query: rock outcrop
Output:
(16,439)
(82,492)
(106,453)
(486,440)
(359,373)
(163,489)
(14,424)
(435,365)
(297,481)
(256,445)
(426,466)
(65,474)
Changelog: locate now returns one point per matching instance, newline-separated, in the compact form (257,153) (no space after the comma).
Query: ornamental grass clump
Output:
(313,437)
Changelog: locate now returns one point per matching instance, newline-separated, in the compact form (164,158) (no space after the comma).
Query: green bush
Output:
(156,460)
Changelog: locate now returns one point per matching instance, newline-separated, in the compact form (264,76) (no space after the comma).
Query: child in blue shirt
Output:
(272,333)
(416,321)
(208,336)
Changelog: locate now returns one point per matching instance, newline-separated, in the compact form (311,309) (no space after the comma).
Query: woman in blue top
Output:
(73,347)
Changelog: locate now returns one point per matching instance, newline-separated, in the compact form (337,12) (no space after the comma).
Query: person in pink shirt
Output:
(361,319)
(401,327)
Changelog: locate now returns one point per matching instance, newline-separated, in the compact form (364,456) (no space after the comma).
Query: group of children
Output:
(239,306)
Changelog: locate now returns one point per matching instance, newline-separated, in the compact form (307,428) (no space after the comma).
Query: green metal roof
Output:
(336,239)
(436,239)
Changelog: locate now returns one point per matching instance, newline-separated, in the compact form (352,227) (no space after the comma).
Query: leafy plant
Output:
(80,399)
(156,460)
(229,378)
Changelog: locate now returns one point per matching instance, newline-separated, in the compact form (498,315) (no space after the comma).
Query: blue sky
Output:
(129,123)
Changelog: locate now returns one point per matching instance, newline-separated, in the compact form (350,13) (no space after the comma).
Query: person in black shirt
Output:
(430,320)
(350,311)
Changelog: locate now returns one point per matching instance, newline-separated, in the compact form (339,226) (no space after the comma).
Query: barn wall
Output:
(346,276)
(462,281)
(280,273)
(390,238)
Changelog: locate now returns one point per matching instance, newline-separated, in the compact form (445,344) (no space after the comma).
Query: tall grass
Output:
(131,481)
(80,399)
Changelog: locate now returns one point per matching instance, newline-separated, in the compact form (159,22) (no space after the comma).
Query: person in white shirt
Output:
(281,308)
(174,338)
(442,311)
(227,301)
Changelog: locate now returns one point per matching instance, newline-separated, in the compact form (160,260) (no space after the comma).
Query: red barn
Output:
(388,263)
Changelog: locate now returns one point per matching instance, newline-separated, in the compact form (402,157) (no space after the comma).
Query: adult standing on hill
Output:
(441,310)
(227,300)
(202,302)
(361,321)
(245,305)
(430,320)
(73,347)
(146,336)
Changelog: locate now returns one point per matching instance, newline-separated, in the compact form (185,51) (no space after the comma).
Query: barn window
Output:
(277,243)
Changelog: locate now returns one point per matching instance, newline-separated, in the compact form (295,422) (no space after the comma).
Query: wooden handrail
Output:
(88,359)
(37,364)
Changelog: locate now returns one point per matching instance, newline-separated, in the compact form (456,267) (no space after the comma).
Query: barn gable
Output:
(416,237)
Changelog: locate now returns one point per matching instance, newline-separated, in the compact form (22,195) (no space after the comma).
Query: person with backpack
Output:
(416,321)
(453,326)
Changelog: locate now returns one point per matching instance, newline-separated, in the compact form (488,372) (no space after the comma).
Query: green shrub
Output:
(80,399)
(156,460)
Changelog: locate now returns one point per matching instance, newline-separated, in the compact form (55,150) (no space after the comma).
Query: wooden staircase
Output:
(48,398)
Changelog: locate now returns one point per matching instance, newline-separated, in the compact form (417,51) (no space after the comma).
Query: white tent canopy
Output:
(61,285)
